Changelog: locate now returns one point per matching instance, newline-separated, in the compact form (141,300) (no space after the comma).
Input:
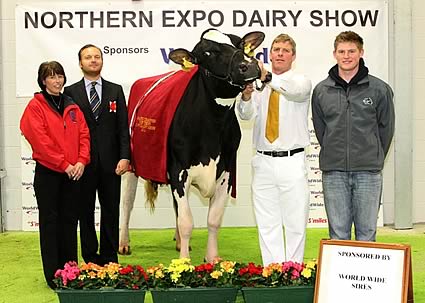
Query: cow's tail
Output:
(151,192)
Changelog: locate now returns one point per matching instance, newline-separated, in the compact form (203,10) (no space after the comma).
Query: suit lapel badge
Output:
(112,106)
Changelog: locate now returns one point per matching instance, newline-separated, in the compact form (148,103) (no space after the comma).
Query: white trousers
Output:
(281,205)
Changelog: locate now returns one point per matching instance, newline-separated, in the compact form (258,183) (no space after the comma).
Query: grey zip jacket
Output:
(355,126)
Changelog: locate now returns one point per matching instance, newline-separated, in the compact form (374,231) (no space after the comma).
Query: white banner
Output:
(136,38)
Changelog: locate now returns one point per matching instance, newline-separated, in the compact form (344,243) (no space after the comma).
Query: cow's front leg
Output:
(129,195)
(215,216)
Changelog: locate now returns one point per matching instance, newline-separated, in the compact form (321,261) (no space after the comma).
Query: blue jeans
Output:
(352,197)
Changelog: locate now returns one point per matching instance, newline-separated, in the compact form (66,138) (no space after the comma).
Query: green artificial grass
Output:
(22,281)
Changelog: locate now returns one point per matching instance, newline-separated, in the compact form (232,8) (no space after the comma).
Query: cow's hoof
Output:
(213,260)
(178,247)
(124,250)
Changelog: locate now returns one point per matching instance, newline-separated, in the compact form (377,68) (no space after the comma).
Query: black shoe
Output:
(106,260)
(96,259)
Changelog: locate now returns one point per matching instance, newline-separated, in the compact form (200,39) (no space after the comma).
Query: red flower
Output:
(126,270)
(208,267)
(251,269)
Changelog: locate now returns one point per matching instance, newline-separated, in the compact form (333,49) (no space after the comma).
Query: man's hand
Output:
(264,71)
(122,166)
(247,92)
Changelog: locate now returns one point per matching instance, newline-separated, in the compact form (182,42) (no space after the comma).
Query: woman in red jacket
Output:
(58,134)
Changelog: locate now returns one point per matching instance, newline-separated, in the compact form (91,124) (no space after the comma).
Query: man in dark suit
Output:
(104,107)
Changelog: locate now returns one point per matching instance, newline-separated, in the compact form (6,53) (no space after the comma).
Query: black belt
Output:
(283,153)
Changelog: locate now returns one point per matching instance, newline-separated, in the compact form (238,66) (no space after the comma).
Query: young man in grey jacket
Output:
(353,116)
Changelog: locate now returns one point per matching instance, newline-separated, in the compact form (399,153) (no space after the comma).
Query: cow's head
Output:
(226,57)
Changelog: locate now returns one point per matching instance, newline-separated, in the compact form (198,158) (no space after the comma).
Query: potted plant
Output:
(101,284)
(182,282)
(287,282)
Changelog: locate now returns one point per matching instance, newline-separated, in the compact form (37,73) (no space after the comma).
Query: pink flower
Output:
(295,275)
(69,273)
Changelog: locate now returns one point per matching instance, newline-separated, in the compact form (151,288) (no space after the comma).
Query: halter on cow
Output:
(201,138)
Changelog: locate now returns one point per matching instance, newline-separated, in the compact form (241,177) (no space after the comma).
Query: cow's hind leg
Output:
(184,220)
(215,216)
(129,195)
(177,232)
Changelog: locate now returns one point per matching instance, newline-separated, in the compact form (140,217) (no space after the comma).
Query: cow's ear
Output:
(251,41)
(183,57)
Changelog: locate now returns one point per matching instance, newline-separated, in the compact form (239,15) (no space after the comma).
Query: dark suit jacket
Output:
(109,136)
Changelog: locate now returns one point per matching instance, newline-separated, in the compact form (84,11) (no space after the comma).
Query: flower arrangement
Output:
(92,276)
(278,274)
(180,273)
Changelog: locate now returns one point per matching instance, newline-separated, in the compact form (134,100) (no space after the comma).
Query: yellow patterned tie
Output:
(272,123)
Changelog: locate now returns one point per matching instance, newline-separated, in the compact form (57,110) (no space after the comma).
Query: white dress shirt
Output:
(98,87)
(294,90)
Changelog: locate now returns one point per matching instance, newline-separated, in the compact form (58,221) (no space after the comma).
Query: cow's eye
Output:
(207,54)
(243,67)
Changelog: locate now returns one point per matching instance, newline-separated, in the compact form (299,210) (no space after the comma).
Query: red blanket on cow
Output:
(151,107)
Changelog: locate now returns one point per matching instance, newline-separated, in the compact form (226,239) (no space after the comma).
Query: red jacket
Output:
(56,141)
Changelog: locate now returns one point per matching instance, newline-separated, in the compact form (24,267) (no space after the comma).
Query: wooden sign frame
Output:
(366,272)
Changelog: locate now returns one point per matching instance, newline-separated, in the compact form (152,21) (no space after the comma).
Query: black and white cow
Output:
(203,136)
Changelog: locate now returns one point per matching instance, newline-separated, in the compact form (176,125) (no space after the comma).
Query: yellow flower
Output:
(306,273)
(112,267)
(273,267)
(276,266)
(101,274)
(178,266)
(153,269)
(89,266)
(216,274)
(159,274)
(311,264)
(156,271)
(266,272)
(112,270)
(228,266)
(175,277)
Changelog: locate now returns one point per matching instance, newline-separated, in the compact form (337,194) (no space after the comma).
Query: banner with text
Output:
(136,38)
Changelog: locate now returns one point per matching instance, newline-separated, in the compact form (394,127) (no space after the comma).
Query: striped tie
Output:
(94,100)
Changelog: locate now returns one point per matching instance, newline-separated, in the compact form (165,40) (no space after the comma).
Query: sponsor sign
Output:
(367,272)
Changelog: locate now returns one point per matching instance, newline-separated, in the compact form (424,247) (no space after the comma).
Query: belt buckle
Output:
(275,153)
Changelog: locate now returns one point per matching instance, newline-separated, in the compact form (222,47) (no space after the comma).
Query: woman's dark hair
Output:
(49,68)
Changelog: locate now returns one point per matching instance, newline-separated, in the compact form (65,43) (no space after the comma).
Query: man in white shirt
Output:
(280,185)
